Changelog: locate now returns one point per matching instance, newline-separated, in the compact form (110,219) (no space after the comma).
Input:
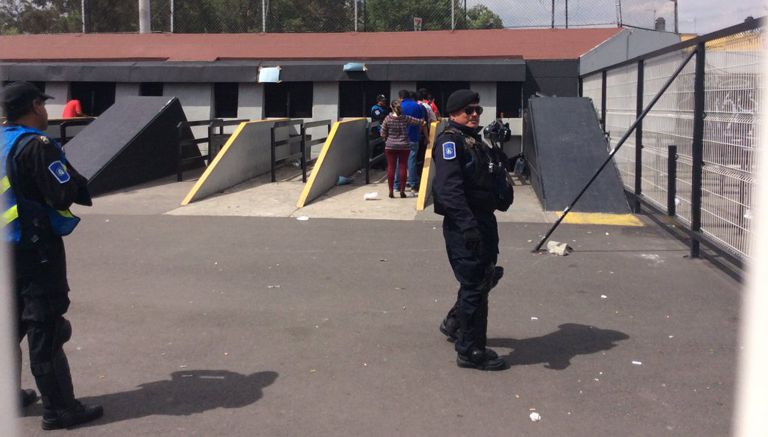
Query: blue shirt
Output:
(416,111)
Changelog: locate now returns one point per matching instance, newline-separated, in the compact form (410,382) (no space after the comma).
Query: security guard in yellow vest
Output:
(38,186)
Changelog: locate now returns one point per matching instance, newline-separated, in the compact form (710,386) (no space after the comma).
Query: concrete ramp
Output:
(342,155)
(245,156)
(564,147)
(134,141)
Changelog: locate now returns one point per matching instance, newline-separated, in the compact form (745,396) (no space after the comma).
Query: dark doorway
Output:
(509,99)
(356,98)
(95,97)
(440,91)
(225,100)
(288,99)
(151,89)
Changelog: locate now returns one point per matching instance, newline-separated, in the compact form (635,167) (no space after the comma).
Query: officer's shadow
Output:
(187,392)
(557,349)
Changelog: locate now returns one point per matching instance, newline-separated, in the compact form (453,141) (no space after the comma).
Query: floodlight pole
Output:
(453,15)
(553,14)
(82,13)
(264,16)
(172,12)
(145,24)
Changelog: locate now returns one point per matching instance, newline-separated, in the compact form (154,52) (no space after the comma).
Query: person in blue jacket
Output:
(38,186)
(471,182)
(379,110)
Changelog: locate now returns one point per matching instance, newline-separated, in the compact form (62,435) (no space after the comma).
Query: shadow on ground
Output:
(556,350)
(187,392)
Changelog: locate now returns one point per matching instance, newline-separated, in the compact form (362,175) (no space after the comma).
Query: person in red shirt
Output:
(72,109)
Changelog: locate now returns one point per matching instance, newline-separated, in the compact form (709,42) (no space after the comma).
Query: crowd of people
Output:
(405,125)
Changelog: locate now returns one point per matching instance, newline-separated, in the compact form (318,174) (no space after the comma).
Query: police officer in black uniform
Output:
(38,187)
(471,182)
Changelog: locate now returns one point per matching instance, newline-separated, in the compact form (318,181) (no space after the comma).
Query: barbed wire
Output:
(248,16)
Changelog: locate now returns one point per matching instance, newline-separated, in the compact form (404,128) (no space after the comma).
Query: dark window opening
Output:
(288,99)
(356,98)
(151,89)
(225,100)
(95,97)
(509,99)
(440,92)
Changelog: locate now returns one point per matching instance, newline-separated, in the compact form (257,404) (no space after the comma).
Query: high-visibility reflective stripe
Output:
(66,213)
(10,215)
(5,183)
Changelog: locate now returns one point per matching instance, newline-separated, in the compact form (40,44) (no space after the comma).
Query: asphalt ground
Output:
(204,326)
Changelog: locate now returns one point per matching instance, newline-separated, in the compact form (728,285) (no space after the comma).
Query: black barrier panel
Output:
(374,150)
(565,146)
(134,141)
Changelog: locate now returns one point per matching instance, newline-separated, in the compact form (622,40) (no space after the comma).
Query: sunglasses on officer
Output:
(473,109)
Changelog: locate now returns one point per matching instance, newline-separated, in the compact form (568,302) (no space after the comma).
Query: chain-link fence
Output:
(246,16)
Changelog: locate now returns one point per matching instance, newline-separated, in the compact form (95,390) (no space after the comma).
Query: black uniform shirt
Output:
(37,182)
(459,197)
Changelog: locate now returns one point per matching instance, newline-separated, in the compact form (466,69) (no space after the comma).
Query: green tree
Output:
(398,15)
(39,16)
(310,16)
(480,17)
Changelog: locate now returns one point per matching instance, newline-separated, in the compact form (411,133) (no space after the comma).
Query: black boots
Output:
(28,397)
(75,415)
(450,327)
(481,359)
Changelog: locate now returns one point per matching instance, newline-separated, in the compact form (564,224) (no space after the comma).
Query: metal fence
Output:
(241,16)
(710,114)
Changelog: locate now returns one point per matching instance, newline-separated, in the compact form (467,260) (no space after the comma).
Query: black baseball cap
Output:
(381,97)
(18,95)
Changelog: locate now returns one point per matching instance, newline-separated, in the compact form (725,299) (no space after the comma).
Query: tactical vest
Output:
(487,169)
(35,217)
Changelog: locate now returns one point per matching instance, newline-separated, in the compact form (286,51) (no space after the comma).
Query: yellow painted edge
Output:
(421,201)
(320,159)
(590,218)
(319,163)
(219,156)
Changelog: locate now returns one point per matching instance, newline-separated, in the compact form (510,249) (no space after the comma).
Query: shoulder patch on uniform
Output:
(449,150)
(59,171)
(44,139)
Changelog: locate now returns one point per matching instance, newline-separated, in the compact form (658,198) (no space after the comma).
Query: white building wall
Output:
(325,104)
(487,91)
(195,98)
(126,89)
(250,101)
(197,101)
(60,93)
(395,87)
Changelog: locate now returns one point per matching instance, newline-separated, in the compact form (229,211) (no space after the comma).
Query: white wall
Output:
(395,87)
(250,101)
(325,104)
(126,89)
(195,98)
(487,91)
(60,93)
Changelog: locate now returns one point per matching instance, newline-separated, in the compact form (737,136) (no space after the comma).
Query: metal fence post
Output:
(671,180)
(273,177)
(639,136)
(604,100)
(698,149)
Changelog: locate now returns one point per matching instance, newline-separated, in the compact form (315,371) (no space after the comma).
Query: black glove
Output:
(473,240)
